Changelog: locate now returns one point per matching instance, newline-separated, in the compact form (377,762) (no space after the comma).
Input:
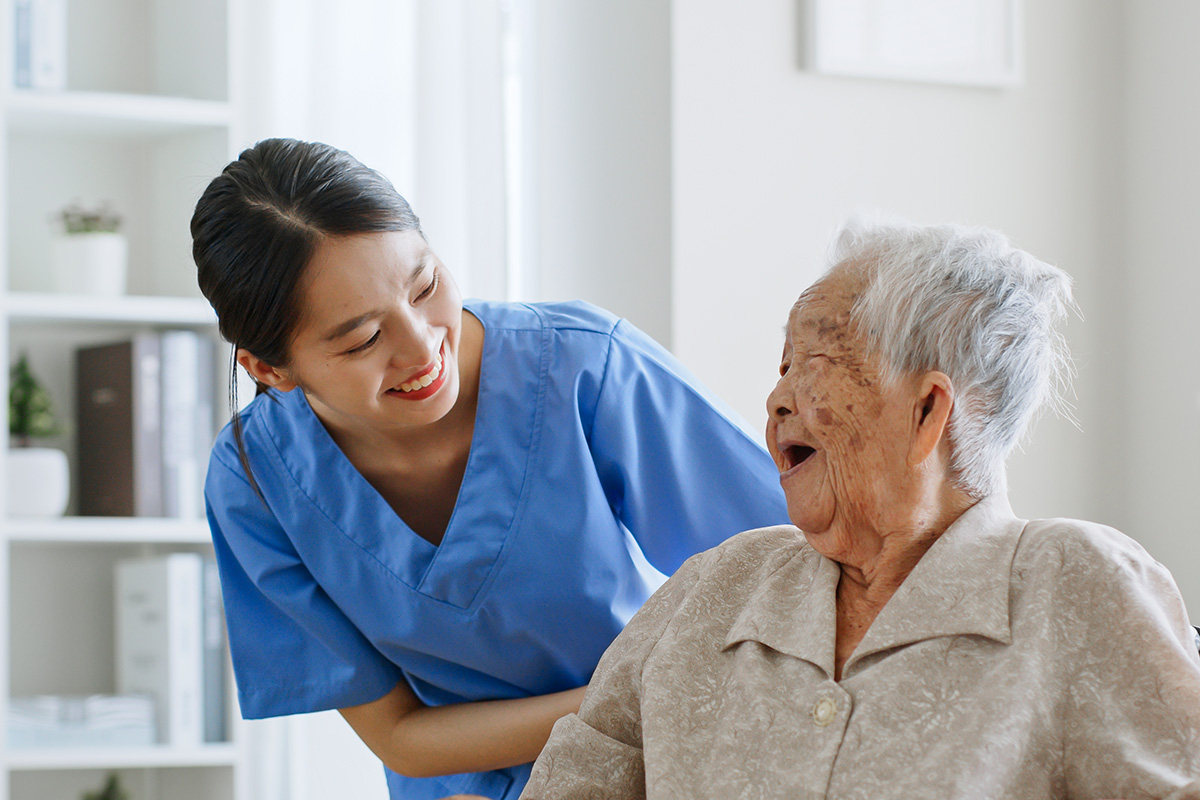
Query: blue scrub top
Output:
(585,429)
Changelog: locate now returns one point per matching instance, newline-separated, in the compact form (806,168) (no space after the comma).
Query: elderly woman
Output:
(910,637)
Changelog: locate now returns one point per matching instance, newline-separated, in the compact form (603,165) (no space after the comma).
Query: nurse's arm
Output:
(422,741)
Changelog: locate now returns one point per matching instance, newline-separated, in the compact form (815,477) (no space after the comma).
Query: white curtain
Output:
(342,73)
(430,92)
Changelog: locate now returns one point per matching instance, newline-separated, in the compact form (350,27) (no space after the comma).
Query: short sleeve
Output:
(1132,707)
(597,753)
(678,467)
(293,650)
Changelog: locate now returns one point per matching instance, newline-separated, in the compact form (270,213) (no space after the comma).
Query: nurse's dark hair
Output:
(256,227)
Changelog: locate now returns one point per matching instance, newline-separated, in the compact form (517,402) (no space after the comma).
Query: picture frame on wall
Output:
(957,42)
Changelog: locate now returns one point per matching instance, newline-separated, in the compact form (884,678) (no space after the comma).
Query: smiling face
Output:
(840,440)
(377,347)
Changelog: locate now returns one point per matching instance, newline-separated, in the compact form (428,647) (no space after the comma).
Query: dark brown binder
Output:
(119,428)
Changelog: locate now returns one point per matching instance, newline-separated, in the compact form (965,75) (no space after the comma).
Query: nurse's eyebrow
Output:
(350,324)
(346,327)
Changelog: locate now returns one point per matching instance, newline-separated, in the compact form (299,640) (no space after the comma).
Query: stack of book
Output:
(145,425)
(93,721)
(171,644)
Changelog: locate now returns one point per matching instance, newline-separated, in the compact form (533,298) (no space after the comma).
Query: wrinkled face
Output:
(378,344)
(840,441)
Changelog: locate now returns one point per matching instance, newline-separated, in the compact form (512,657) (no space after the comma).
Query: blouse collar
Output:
(959,587)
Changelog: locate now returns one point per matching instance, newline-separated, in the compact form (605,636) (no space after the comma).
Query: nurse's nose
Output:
(412,347)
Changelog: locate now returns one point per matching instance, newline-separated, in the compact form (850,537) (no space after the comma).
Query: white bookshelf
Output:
(147,117)
(107,530)
(107,113)
(157,757)
(31,307)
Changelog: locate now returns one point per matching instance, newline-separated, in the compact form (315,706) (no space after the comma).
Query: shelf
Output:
(31,307)
(99,113)
(213,755)
(108,530)
(145,120)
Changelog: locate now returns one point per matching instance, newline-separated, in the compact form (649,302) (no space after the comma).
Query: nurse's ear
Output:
(264,373)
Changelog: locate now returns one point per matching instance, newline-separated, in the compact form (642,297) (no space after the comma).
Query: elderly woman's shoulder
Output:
(1085,587)
(751,552)
(1063,545)
(711,586)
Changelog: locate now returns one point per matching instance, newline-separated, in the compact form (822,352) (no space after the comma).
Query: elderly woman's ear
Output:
(931,412)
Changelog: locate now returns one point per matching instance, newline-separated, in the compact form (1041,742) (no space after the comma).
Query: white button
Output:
(824,711)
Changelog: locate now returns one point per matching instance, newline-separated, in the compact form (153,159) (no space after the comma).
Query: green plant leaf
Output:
(30,411)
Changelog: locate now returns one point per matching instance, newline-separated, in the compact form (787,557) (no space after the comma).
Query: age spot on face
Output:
(830,329)
(862,377)
(824,416)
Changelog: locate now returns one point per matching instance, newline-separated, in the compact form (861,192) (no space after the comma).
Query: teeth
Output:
(424,380)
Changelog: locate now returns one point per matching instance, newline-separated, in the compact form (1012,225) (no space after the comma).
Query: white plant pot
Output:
(90,263)
(38,482)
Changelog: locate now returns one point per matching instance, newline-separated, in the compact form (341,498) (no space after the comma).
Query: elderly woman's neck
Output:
(879,558)
(881,555)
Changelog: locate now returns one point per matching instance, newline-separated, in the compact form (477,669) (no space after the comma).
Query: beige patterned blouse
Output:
(1048,659)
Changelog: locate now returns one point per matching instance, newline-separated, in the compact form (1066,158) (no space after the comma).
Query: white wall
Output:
(602,187)
(458,189)
(1158,380)
(769,157)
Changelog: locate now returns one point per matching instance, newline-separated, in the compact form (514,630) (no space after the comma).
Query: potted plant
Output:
(38,477)
(90,255)
(112,790)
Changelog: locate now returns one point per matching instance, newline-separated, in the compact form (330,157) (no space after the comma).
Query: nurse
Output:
(424,519)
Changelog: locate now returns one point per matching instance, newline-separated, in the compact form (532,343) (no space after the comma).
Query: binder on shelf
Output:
(40,44)
(21,41)
(119,430)
(145,425)
(81,721)
(160,641)
(215,659)
(187,420)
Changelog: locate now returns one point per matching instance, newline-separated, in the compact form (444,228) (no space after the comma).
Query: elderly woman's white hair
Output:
(965,302)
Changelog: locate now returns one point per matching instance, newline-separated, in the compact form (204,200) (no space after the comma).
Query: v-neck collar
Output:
(960,586)
(489,497)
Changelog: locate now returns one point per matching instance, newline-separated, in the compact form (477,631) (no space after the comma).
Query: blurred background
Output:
(684,163)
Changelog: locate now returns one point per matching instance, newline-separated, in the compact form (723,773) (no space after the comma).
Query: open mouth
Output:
(421,381)
(795,455)
(425,383)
